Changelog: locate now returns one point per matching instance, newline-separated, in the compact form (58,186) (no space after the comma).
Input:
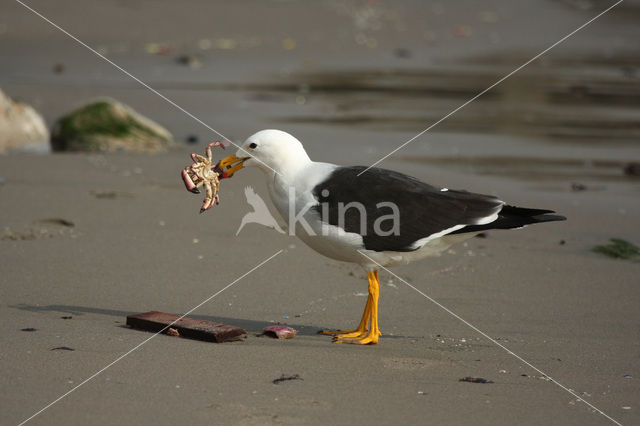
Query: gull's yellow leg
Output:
(372,304)
(362,327)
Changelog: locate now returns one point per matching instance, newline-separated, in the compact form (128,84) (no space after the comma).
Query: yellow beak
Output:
(229,165)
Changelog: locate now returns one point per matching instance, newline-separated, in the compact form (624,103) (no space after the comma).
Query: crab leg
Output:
(198,159)
(208,200)
(188,182)
(199,174)
(211,145)
(208,153)
(205,206)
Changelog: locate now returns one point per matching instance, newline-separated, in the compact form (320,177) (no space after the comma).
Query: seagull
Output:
(369,216)
(260,213)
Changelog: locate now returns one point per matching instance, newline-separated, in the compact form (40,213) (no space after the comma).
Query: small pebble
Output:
(462,31)
(288,44)
(205,44)
(632,169)
(158,49)
(189,60)
(401,52)
(575,186)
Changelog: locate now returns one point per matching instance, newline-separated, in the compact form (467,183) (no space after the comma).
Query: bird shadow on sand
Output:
(252,326)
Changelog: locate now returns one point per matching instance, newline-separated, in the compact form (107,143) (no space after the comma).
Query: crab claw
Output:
(188,182)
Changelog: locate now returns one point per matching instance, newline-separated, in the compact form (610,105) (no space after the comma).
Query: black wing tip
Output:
(542,215)
(513,218)
(548,217)
(508,209)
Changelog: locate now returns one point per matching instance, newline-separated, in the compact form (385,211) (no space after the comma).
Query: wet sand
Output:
(95,237)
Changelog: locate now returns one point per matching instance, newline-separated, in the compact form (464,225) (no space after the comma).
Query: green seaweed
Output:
(619,249)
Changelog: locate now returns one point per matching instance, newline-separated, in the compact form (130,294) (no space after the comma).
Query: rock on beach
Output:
(107,125)
(22,128)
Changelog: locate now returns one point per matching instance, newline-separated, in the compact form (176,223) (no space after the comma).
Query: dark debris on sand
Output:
(62,348)
(284,378)
(475,380)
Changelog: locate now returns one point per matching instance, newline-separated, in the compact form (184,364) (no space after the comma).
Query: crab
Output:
(203,173)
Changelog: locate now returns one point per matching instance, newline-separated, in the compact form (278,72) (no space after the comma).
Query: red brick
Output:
(191,328)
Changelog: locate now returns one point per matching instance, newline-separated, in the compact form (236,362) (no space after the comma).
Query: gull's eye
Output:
(253,145)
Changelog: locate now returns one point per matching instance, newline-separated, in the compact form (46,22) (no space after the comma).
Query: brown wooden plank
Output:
(190,328)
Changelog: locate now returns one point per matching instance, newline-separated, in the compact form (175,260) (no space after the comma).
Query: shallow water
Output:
(595,103)
(350,99)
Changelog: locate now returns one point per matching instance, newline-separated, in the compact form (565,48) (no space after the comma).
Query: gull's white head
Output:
(273,151)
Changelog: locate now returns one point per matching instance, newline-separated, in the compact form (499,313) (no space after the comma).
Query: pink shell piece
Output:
(173,332)
(280,331)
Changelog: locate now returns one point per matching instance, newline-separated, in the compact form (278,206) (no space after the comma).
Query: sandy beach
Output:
(89,238)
